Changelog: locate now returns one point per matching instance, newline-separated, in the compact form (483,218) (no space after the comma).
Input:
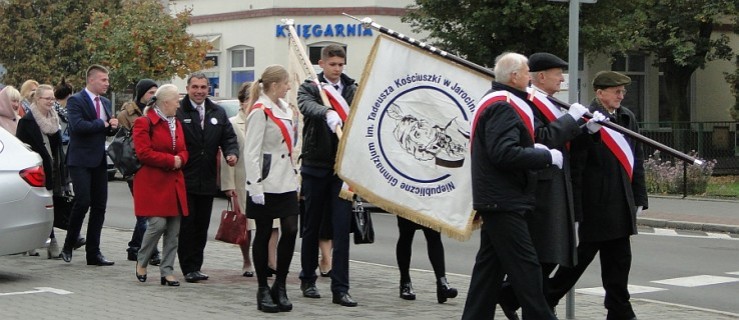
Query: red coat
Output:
(158,189)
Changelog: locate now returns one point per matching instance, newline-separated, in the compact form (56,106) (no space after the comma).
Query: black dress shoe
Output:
(173,283)
(79,243)
(99,260)
(344,299)
(201,276)
(66,255)
(155,260)
(265,302)
(192,277)
(309,290)
(132,256)
(406,291)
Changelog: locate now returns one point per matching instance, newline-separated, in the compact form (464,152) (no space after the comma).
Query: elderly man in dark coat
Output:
(505,159)
(610,190)
(552,223)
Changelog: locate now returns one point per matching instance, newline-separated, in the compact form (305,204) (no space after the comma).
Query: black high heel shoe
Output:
(265,302)
(141,277)
(173,283)
(444,290)
(279,296)
(406,291)
(271,272)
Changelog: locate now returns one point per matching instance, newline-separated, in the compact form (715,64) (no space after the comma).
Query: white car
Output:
(26,207)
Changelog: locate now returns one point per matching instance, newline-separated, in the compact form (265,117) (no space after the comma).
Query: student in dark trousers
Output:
(320,184)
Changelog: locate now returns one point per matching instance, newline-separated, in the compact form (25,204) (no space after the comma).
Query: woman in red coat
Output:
(159,186)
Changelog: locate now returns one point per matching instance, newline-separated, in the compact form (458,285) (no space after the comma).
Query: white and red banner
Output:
(406,142)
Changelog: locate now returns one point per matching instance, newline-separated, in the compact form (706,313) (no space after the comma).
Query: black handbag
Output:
(62,210)
(362,224)
(121,151)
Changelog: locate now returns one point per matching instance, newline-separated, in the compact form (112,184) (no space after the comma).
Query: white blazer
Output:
(269,166)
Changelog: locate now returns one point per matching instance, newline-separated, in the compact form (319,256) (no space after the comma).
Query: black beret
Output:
(541,61)
(607,79)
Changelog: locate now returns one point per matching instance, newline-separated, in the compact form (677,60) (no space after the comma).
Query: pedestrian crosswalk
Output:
(687,282)
(696,281)
(686,233)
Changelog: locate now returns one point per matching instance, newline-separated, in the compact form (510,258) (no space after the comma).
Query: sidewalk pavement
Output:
(114,293)
(692,213)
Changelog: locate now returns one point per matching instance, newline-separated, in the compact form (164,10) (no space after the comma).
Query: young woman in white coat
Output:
(272,181)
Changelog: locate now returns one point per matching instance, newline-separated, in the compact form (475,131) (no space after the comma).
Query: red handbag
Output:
(233,223)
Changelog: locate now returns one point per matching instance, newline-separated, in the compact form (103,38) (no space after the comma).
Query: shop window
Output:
(314,51)
(242,68)
(634,66)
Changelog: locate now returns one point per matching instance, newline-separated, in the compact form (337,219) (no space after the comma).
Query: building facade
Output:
(247,36)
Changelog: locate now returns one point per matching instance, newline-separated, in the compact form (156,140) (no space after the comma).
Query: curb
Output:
(686,225)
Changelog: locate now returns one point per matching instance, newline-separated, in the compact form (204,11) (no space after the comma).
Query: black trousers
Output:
(322,194)
(505,248)
(90,192)
(615,264)
(404,249)
(194,232)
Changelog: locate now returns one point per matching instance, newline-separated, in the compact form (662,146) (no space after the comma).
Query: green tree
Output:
(144,41)
(680,35)
(677,33)
(41,39)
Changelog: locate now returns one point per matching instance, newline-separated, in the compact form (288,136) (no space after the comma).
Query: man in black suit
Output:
(90,120)
(206,127)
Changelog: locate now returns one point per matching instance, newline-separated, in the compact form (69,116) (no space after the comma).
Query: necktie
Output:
(336,86)
(201,111)
(97,107)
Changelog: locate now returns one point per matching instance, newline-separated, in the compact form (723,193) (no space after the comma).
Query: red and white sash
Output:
(544,105)
(620,148)
(519,105)
(336,100)
(283,128)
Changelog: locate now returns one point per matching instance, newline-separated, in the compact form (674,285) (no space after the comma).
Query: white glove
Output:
(593,125)
(258,198)
(333,120)
(639,210)
(556,157)
(577,110)
(540,146)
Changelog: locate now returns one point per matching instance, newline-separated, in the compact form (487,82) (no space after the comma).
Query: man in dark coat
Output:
(552,223)
(206,127)
(504,164)
(609,191)
(320,184)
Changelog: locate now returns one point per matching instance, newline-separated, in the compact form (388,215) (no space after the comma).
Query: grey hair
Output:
(164,93)
(508,63)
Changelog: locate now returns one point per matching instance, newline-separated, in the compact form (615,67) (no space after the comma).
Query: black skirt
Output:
(276,205)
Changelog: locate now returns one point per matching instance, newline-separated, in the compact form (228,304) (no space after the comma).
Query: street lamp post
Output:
(574,90)
(572,59)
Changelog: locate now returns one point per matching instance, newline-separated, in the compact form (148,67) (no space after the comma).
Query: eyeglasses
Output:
(619,92)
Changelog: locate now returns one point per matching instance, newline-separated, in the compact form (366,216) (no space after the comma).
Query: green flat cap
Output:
(541,61)
(607,79)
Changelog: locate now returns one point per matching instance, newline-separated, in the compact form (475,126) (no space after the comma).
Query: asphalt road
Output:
(656,257)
